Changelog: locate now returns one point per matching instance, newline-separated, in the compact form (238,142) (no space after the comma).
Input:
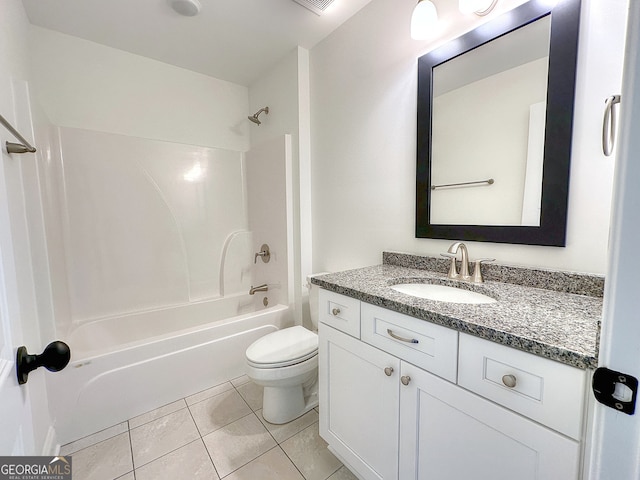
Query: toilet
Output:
(285,363)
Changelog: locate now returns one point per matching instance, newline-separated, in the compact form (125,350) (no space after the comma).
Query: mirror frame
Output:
(563,53)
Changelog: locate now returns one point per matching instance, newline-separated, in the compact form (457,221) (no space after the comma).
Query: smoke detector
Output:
(316,6)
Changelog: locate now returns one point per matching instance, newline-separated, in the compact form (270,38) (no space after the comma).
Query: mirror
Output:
(495,111)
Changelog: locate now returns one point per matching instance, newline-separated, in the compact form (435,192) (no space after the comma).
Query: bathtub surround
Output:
(558,324)
(146,223)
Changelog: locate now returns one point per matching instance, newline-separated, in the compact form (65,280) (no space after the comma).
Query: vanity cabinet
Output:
(448,433)
(359,403)
(393,408)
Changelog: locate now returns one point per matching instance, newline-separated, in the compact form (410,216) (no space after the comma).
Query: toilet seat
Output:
(283,348)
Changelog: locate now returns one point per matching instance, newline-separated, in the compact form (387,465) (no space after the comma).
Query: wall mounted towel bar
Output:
(609,124)
(24,147)
(490,181)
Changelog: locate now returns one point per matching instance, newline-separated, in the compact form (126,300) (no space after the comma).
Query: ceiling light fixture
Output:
(187,8)
(424,17)
(479,7)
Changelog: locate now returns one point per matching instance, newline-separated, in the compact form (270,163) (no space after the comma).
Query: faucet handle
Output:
(453,272)
(477,272)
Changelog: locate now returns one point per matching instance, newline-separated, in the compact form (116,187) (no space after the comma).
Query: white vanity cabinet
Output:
(392,408)
(359,403)
(448,433)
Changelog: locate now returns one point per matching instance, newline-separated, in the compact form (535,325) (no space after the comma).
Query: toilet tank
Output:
(313,299)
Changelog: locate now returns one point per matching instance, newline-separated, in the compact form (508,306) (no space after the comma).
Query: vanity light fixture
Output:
(424,17)
(479,7)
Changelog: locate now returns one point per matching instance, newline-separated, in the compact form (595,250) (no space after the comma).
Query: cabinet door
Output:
(359,404)
(448,433)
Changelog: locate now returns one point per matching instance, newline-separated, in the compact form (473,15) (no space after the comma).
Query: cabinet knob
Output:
(509,380)
(405,379)
(335,312)
(388,371)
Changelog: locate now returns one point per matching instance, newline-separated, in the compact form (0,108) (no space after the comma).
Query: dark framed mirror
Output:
(495,117)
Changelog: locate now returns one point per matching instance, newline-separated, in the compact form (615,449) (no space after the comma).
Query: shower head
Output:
(254,117)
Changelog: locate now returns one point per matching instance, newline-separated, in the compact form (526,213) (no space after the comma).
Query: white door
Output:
(616,442)
(15,413)
(448,433)
(19,323)
(359,404)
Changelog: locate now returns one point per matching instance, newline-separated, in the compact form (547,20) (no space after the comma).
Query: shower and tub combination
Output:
(158,242)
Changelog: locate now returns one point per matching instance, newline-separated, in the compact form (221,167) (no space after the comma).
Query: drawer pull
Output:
(402,339)
(405,379)
(509,381)
(335,312)
(388,371)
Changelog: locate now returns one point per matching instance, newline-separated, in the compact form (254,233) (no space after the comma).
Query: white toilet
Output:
(285,363)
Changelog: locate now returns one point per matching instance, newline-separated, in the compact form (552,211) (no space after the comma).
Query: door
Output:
(616,439)
(359,404)
(15,413)
(448,433)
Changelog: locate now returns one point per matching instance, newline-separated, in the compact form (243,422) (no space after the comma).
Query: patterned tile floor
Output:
(215,434)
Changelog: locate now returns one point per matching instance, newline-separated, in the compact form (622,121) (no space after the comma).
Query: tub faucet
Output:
(259,288)
(464,268)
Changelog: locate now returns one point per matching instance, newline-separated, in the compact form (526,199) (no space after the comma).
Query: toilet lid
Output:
(284,347)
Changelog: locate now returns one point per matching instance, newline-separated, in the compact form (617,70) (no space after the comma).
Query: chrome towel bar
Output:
(609,124)
(490,181)
(24,147)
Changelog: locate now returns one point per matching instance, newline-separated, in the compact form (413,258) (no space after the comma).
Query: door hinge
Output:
(615,389)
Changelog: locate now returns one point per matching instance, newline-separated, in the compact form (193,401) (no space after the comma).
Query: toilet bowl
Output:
(285,363)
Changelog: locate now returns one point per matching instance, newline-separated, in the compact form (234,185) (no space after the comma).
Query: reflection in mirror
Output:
(488,124)
(499,124)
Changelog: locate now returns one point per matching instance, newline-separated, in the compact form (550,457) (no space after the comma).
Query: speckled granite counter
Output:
(553,324)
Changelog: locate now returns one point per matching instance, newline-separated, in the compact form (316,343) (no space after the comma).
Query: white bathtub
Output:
(123,366)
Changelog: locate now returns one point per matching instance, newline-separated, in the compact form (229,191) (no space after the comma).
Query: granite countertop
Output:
(553,324)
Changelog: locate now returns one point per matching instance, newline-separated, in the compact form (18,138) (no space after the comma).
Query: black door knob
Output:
(54,358)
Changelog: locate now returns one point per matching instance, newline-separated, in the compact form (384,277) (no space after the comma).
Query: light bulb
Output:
(423,18)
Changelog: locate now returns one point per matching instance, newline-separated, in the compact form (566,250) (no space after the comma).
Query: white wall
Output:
(285,90)
(82,84)
(363,80)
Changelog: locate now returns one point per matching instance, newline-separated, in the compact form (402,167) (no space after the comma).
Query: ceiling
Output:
(233,40)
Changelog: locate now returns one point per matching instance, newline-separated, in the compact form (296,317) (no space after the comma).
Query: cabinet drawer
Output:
(431,347)
(340,312)
(546,391)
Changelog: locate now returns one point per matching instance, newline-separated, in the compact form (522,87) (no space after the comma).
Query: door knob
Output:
(54,358)
(405,379)
(388,371)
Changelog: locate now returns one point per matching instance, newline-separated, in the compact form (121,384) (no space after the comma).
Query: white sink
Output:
(442,293)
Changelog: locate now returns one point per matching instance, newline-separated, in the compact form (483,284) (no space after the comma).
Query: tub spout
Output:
(259,288)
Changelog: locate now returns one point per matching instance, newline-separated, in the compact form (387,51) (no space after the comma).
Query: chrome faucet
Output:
(259,288)
(464,268)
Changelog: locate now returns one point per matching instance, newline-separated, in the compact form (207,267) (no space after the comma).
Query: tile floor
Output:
(215,434)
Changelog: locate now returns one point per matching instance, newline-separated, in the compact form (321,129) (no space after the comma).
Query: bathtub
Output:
(126,365)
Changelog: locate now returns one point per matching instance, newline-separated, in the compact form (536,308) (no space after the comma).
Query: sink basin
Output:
(442,293)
